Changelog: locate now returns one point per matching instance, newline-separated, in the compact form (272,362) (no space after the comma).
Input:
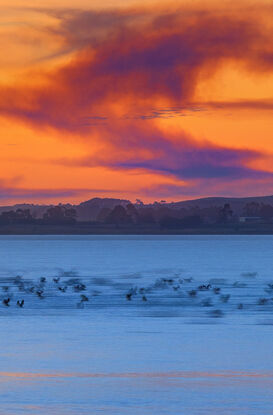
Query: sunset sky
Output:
(135,99)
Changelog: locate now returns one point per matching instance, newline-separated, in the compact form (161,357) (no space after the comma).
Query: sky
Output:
(135,99)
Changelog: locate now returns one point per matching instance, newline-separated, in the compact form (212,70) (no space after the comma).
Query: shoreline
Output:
(92,229)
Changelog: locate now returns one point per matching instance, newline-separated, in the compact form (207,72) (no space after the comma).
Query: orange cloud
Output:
(144,60)
(130,69)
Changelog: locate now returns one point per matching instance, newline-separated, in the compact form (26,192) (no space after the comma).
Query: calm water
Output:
(175,353)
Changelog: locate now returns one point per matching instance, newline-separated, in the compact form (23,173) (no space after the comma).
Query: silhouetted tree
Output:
(146,216)
(118,216)
(252,209)
(266,212)
(59,215)
(225,213)
(132,212)
(20,216)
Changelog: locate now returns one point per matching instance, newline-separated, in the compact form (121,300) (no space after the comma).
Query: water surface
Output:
(168,355)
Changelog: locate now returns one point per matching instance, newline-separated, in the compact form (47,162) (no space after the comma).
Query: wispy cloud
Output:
(212,187)
(131,59)
(144,147)
(9,191)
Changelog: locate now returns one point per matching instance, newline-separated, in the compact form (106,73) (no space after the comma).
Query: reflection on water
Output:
(136,325)
(240,376)
(147,393)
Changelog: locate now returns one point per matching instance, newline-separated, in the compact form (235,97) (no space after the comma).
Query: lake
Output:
(136,325)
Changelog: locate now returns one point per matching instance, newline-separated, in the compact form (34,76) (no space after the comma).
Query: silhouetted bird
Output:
(129,296)
(133,291)
(40,293)
(204,287)
(262,301)
(84,298)
(56,280)
(240,306)
(144,298)
(6,302)
(95,293)
(169,281)
(192,293)
(216,290)
(79,287)
(43,280)
(20,303)
(62,289)
(216,313)
(225,298)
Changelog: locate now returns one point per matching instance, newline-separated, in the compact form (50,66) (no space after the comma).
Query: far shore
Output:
(86,228)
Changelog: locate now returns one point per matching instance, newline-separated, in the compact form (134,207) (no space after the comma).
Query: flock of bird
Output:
(216,295)
(41,290)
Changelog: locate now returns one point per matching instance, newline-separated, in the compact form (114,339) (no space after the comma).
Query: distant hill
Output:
(91,209)
(237,203)
(86,211)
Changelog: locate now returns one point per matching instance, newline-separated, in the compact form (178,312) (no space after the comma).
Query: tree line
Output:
(53,215)
(157,215)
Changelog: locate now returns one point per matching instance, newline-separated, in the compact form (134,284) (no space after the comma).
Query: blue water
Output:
(168,355)
(200,256)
